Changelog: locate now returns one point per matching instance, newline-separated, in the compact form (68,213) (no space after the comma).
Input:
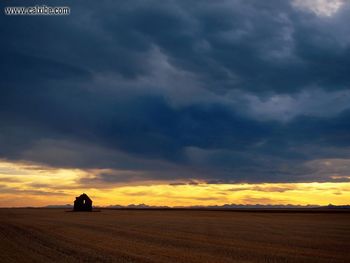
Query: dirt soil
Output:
(53,235)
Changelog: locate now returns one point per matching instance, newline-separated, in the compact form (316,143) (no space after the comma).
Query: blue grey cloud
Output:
(224,91)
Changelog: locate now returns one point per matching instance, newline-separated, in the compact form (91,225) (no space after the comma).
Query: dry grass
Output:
(52,235)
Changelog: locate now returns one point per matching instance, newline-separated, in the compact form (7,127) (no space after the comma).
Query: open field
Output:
(52,235)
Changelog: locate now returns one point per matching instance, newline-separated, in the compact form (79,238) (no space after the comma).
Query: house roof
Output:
(84,196)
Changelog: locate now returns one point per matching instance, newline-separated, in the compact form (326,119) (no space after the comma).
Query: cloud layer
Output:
(224,91)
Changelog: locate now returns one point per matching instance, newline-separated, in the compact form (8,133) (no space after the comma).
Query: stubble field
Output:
(53,235)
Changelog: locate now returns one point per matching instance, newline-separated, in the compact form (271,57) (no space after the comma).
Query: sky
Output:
(176,103)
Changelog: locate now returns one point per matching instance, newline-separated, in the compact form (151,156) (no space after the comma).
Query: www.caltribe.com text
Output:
(38,10)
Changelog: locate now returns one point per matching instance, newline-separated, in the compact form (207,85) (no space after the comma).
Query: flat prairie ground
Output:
(53,235)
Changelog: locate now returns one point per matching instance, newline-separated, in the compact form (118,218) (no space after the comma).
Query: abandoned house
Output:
(83,203)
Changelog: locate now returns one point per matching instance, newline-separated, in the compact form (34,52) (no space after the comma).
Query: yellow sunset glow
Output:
(23,184)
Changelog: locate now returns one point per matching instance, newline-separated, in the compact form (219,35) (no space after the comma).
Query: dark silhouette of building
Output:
(83,203)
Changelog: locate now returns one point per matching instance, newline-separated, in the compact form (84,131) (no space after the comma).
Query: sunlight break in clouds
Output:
(320,7)
(23,184)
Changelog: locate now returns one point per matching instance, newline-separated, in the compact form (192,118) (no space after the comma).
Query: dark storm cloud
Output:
(224,91)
